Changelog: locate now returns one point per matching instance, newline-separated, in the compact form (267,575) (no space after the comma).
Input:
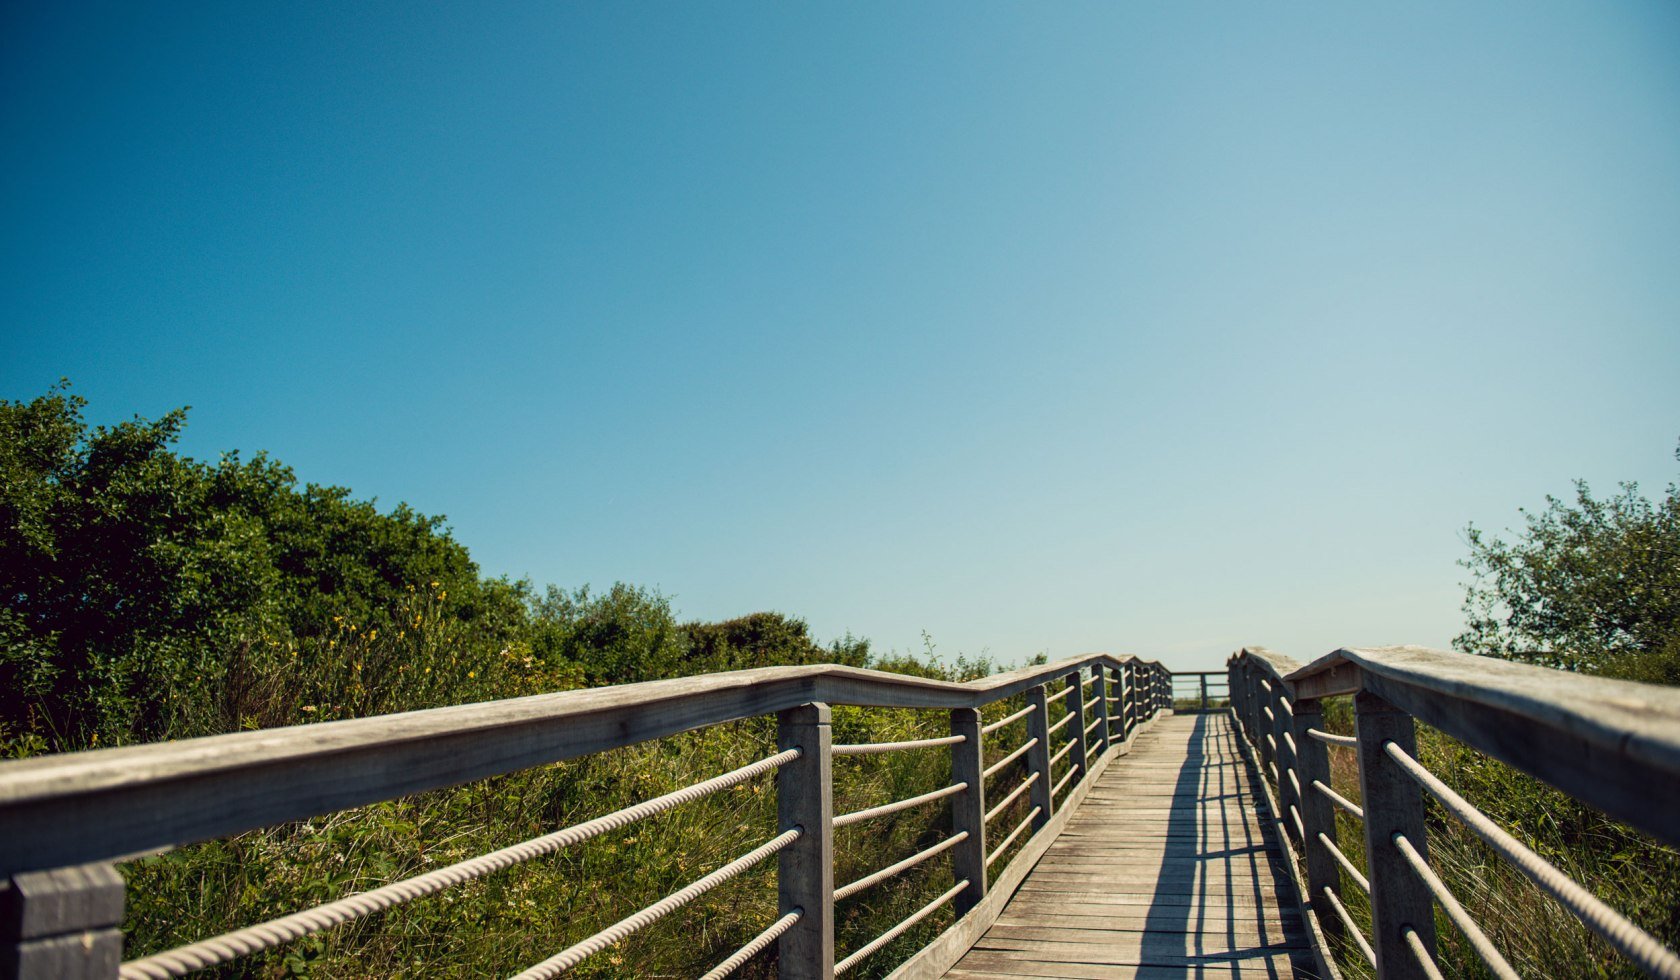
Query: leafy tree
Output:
(1591,586)
(137,586)
(765,639)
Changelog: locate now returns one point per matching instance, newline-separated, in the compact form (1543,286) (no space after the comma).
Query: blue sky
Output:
(1154,328)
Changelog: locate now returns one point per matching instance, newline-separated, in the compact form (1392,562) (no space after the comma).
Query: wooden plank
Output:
(950,946)
(1165,867)
(1612,744)
(80,807)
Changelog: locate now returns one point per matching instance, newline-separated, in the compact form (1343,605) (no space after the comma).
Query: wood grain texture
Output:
(1164,869)
(81,807)
(938,956)
(1614,745)
(805,870)
(1393,805)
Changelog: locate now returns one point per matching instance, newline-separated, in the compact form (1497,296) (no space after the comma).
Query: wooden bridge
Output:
(1108,818)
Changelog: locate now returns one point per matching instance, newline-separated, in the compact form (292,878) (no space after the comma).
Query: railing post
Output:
(1038,757)
(968,808)
(62,923)
(1265,724)
(1128,699)
(1318,815)
(1289,781)
(1393,805)
(1099,690)
(1204,692)
(805,868)
(1076,727)
(1234,682)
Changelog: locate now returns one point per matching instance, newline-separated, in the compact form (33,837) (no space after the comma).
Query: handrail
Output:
(1614,745)
(1026,822)
(243,942)
(1633,942)
(876,748)
(575,954)
(1004,762)
(64,819)
(870,813)
(79,807)
(1600,740)
(870,880)
(1017,716)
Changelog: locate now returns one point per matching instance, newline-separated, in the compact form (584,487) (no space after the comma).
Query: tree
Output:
(138,586)
(1591,586)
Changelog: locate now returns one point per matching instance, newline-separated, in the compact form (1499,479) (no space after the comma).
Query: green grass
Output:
(1627,869)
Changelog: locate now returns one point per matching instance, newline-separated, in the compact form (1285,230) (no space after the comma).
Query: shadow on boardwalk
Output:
(1167,870)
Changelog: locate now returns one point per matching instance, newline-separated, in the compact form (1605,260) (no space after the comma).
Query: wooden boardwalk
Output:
(1166,870)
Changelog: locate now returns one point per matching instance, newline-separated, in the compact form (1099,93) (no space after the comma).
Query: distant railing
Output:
(1613,745)
(65,820)
(1200,690)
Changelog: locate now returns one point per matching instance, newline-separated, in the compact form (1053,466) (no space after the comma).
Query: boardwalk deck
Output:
(1166,870)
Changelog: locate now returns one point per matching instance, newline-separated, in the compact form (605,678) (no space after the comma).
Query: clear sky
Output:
(1146,327)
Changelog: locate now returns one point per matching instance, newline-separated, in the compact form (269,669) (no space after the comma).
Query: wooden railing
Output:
(65,821)
(1613,745)
(1200,690)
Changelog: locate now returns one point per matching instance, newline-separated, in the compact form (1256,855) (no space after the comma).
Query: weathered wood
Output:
(1099,690)
(938,956)
(78,807)
(62,923)
(1318,814)
(968,809)
(1393,805)
(1150,871)
(1614,745)
(1289,779)
(1128,700)
(1076,727)
(1038,757)
(805,869)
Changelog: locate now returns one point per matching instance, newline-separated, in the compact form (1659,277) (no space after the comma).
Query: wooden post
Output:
(968,808)
(1038,757)
(1128,700)
(1076,727)
(1204,692)
(1099,690)
(805,868)
(1289,788)
(62,923)
(1265,723)
(1393,805)
(1234,684)
(1318,815)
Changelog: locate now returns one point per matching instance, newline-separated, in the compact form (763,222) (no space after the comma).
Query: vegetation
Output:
(1592,586)
(146,596)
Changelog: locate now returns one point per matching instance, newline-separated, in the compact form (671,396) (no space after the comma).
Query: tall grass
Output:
(504,922)
(1631,871)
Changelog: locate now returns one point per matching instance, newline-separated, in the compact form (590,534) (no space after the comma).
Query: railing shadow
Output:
(1209,911)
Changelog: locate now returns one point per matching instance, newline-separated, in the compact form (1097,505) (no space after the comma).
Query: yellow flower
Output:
(471,674)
